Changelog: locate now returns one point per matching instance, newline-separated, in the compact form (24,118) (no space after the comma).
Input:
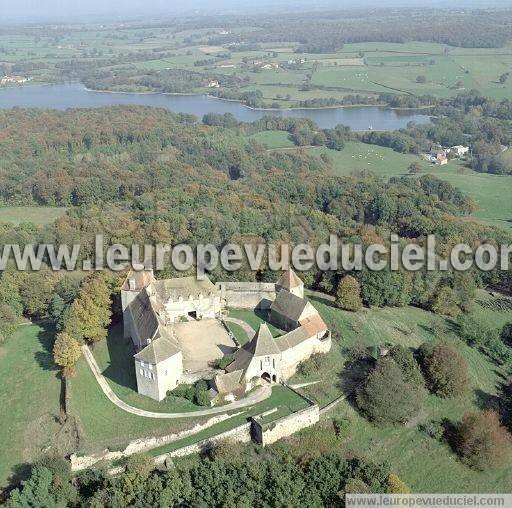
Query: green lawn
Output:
(30,401)
(273,139)
(423,463)
(254,318)
(239,333)
(33,214)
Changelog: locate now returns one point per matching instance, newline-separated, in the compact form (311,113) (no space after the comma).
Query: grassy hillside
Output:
(30,402)
(422,462)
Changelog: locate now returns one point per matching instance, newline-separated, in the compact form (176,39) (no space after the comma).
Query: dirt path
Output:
(258,395)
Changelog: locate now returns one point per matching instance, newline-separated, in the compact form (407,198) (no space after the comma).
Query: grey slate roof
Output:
(261,344)
(144,315)
(288,305)
(157,351)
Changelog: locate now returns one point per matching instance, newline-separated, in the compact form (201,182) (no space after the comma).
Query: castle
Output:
(177,328)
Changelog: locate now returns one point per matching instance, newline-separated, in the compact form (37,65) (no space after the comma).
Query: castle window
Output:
(274,363)
(150,367)
(141,371)
(142,364)
(267,360)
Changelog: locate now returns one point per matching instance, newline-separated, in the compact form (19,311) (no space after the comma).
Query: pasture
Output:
(30,402)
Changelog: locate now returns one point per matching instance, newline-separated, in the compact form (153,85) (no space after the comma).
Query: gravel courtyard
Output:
(202,342)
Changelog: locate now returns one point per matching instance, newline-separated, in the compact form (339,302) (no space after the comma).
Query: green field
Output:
(368,68)
(34,214)
(423,463)
(30,402)
(273,139)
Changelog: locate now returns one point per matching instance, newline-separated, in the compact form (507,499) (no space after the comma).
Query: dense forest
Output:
(327,32)
(226,477)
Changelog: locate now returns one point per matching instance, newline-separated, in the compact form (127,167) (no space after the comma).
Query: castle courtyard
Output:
(202,342)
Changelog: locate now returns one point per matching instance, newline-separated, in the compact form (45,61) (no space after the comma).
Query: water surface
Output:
(75,95)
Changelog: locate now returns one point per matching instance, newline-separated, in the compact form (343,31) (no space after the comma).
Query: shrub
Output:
(348,296)
(341,426)
(433,429)
(358,351)
(482,442)
(312,365)
(223,362)
(445,369)
(408,364)
(446,302)
(386,397)
(397,486)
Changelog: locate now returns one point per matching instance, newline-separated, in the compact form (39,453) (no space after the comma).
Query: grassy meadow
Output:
(30,402)
(38,215)
(425,464)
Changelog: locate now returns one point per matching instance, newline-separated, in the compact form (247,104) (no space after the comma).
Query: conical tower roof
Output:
(289,280)
(263,343)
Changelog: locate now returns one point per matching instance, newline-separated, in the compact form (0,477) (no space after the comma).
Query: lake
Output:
(75,95)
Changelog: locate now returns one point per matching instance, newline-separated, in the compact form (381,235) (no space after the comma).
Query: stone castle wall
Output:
(240,434)
(285,426)
(142,445)
(247,295)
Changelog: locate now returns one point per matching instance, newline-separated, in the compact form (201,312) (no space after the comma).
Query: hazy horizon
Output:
(95,10)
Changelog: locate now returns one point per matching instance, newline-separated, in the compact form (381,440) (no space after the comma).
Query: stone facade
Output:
(271,432)
(247,295)
(168,372)
(291,358)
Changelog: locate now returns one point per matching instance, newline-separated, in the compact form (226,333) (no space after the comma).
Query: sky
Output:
(93,10)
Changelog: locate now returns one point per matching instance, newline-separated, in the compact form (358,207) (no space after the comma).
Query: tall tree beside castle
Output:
(66,352)
(89,315)
(348,296)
